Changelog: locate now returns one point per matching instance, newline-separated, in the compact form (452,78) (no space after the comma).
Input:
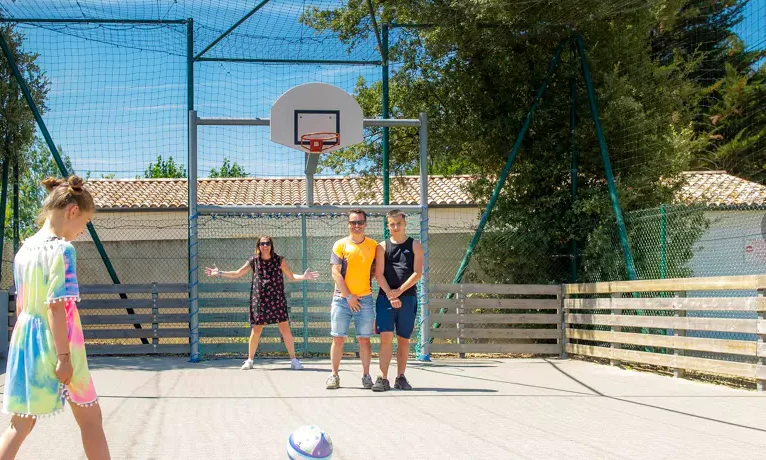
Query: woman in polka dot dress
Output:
(268,304)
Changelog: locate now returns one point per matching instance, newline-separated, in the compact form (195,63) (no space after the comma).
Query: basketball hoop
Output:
(319,142)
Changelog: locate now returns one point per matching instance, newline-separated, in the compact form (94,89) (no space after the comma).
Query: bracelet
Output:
(220,274)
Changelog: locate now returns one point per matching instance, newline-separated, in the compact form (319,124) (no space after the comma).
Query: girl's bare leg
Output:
(92,431)
(14,436)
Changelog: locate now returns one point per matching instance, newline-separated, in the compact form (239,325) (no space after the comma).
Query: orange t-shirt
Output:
(356,261)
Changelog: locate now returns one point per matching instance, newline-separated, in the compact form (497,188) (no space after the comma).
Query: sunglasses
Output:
(357,222)
(265,243)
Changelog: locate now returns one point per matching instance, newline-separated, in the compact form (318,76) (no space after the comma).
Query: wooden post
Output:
(615,345)
(460,311)
(155,323)
(677,371)
(562,324)
(760,384)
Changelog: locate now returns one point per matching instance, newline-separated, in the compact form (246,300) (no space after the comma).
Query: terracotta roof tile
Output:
(171,193)
(714,188)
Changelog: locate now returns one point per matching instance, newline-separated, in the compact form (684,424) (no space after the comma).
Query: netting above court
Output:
(274,31)
(119,100)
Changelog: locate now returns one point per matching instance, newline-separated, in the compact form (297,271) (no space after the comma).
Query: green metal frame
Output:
(288,61)
(304,286)
(573,174)
(93,21)
(663,242)
(3,205)
(613,196)
(385,143)
(16,224)
(231,29)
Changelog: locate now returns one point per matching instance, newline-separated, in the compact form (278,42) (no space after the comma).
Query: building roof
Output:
(172,193)
(719,189)
(713,188)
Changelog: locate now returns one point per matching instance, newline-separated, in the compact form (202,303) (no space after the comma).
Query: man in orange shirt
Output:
(352,267)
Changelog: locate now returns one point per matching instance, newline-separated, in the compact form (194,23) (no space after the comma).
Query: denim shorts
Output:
(341,315)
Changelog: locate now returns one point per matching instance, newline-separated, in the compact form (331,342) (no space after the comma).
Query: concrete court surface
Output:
(168,408)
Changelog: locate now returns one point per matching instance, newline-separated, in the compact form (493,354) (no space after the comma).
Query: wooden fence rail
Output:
(154,326)
(667,326)
(656,322)
(529,322)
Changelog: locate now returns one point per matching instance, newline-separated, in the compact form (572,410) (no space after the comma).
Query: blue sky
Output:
(118,94)
(118,98)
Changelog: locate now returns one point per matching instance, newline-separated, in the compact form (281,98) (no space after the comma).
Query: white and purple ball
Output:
(309,442)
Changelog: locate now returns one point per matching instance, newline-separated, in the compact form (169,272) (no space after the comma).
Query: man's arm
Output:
(340,282)
(380,257)
(417,269)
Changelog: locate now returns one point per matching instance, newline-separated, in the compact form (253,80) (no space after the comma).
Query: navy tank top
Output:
(399,265)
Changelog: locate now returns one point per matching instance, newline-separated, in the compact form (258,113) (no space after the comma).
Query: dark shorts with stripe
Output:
(399,320)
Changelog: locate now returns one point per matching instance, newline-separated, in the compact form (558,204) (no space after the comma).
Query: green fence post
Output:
(663,242)
(304,287)
(573,173)
(3,203)
(16,229)
(385,145)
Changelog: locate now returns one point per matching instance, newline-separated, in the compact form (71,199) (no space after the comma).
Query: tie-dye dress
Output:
(45,271)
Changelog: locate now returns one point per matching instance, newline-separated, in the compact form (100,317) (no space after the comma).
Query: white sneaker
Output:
(247,365)
(295,364)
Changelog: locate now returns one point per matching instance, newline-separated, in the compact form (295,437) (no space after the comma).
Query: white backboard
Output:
(316,107)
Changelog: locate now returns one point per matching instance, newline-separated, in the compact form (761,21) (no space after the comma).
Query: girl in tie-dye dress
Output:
(47,363)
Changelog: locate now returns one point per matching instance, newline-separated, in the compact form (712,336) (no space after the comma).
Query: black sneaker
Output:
(381,384)
(401,383)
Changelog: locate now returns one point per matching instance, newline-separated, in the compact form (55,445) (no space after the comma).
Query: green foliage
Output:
(476,72)
(165,169)
(17,124)
(730,122)
(89,174)
(228,169)
(38,164)
(734,125)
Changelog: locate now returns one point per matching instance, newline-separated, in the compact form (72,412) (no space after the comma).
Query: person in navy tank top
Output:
(398,267)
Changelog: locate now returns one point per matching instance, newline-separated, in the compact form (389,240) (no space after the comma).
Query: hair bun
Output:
(52,182)
(75,185)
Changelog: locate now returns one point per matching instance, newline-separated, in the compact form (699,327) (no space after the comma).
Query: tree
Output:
(475,73)
(734,126)
(89,174)
(38,165)
(228,170)
(165,169)
(730,121)
(17,124)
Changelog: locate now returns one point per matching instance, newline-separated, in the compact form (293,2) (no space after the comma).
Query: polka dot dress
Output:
(267,292)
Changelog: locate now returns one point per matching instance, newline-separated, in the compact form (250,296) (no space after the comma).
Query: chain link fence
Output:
(147,247)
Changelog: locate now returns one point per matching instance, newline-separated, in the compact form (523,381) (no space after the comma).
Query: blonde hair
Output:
(62,193)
